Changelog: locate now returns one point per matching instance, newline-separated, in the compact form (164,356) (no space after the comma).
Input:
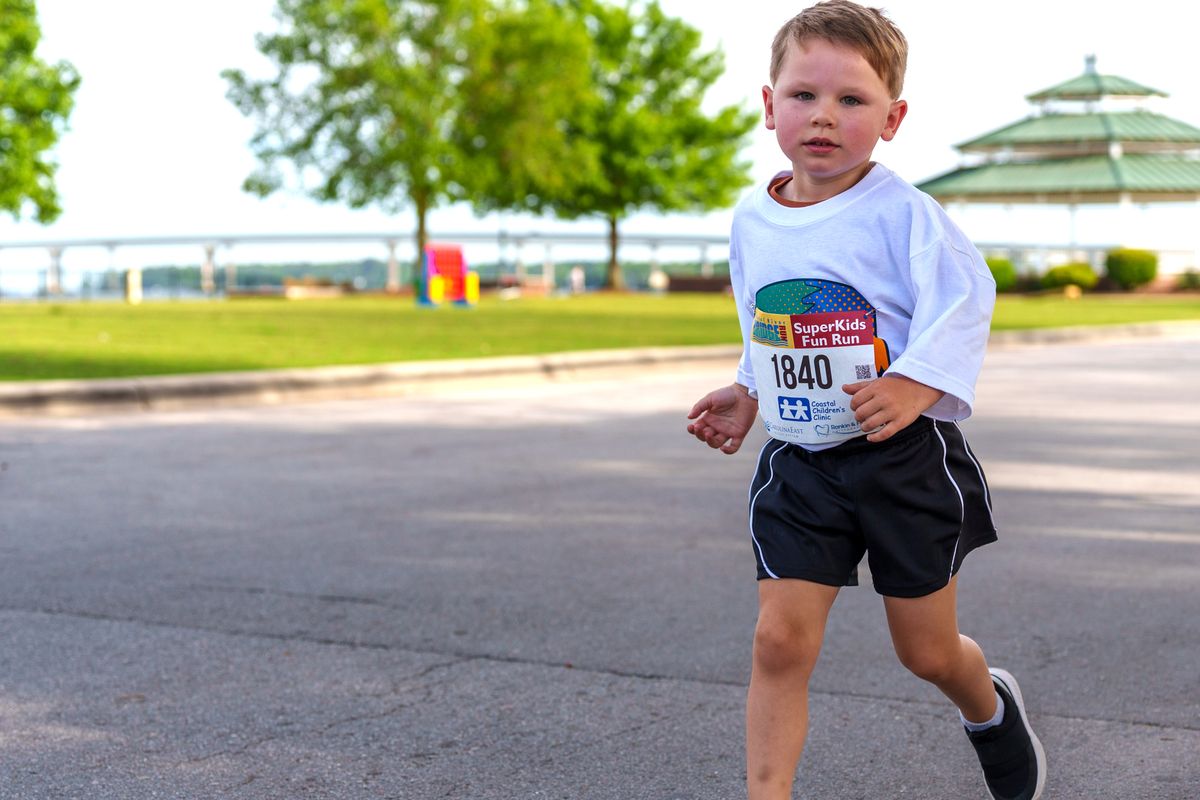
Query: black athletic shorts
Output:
(916,504)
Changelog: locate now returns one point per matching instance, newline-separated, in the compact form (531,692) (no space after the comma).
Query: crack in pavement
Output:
(324,598)
(329,724)
(459,657)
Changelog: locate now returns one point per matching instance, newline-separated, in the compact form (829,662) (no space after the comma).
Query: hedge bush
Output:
(1004,273)
(1074,274)
(1189,280)
(1130,269)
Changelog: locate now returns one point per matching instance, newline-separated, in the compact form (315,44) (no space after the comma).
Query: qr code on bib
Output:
(862,371)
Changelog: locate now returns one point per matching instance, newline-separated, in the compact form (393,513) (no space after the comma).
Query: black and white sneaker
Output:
(1013,761)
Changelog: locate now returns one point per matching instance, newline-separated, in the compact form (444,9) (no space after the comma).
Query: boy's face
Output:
(828,108)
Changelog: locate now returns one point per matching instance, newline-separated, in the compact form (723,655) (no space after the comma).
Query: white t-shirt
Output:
(875,279)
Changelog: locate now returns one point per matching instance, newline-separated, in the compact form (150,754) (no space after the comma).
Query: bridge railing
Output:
(57,267)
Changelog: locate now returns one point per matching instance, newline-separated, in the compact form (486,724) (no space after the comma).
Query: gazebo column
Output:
(1196,259)
(1019,256)
(1073,211)
(1124,218)
(1043,254)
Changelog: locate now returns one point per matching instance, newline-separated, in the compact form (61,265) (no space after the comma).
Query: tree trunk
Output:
(421,205)
(614,279)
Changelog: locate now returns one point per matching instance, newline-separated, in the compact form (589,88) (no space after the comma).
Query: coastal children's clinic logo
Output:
(794,409)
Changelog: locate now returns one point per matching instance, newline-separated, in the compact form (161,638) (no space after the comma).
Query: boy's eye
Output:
(804,96)
(851,101)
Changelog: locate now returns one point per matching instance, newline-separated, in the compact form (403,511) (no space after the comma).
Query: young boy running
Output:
(865,316)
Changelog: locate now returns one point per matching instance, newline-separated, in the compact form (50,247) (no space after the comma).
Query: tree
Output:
(516,147)
(653,144)
(36,99)
(420,102)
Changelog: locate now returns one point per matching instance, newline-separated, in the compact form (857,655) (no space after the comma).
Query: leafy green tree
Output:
(36,99)
(654,146)
(527,79)
(414,102)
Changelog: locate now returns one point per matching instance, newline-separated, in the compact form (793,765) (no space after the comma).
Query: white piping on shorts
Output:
(987,496)
(962,516)
(770,477)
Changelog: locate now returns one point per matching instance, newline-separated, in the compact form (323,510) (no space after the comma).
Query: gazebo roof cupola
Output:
(1092,86)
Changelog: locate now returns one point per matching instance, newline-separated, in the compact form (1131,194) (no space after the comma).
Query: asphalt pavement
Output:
(537,586)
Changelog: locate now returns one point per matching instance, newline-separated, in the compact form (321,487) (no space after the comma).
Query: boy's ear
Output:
(769,107)
(894,118)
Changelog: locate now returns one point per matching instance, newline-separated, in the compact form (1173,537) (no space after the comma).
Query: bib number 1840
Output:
(812,372)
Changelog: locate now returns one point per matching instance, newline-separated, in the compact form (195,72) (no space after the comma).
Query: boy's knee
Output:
(930,665)
(782,646)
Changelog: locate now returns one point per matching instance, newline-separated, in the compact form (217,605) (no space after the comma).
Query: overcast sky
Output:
(155,148)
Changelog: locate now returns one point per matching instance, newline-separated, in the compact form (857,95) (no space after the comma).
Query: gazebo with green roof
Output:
(1069,154)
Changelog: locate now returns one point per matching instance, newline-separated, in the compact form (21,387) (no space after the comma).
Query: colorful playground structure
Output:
(446,279)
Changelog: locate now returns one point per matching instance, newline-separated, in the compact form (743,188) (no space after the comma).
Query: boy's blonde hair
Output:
(865,30)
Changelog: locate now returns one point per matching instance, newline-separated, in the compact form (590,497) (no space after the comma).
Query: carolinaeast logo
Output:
(794,409)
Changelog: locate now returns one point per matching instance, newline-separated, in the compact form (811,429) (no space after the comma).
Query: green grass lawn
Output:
(94,340)
(1054,311)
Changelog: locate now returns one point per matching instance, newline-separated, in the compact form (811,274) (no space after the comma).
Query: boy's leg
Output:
(925,635)
(787,640)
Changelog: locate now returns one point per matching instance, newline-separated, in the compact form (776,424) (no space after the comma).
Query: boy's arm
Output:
(723,418)
(954,294)
(888,405)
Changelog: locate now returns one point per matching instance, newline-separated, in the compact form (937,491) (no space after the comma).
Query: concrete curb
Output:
(52,398)
(343,382)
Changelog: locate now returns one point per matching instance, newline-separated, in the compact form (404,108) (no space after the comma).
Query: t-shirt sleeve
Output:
(737,278)
(954,296)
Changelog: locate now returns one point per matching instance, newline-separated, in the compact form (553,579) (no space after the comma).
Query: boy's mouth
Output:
(819,145)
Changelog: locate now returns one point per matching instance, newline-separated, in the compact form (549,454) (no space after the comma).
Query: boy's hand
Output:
(888,405)
(723,418)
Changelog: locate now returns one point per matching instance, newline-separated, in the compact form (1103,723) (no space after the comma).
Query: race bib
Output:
(801,360)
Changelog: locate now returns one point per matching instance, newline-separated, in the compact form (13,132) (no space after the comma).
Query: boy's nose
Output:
(823,117)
